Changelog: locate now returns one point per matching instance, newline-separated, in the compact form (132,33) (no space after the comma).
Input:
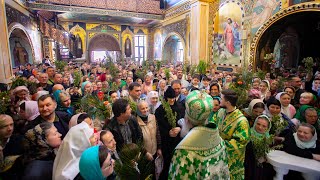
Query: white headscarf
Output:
(74,120)
(250,107)
(306,145)
(150,95)
(66,163)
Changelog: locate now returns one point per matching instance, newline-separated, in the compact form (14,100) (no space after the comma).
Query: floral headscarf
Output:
(37,146)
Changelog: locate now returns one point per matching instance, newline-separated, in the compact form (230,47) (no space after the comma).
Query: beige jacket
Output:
(149,131)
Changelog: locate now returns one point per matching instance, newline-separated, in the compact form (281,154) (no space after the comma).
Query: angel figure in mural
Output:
(231,35)
(262,11)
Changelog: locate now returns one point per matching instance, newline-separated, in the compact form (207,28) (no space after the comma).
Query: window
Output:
(179,51)
(140,48)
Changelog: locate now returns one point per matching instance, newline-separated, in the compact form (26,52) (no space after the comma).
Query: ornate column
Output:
(199,23)
(5,63)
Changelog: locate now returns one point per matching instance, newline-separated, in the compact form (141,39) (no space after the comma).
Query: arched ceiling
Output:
(126,12)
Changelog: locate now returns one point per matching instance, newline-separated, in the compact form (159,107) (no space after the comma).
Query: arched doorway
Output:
(289,34)
(21,50)
(290,39)
(103,47)
(173,50)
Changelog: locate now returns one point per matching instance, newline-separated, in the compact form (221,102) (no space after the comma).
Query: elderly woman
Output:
(162,87)
(63,102)
(254,170)
(307,98)
(96,163)
(78,139)
(20,93)
(150,130)
(153,101)
(29,110)
(86,88)
(40,146)
(303,143)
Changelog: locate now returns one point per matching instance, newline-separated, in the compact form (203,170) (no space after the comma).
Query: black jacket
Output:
(136,132)
(290,146)
(62,124)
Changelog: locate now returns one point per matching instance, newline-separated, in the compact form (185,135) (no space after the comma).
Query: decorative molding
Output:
(178,10)
(75,9)
(14,15)
(303,7)
(91,34)
(179,27)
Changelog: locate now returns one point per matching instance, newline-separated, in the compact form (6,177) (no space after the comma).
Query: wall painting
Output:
(227,41)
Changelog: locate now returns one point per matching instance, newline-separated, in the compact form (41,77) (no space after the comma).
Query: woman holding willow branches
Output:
(167,116)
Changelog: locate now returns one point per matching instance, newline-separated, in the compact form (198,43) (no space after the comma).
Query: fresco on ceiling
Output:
(157,45)
(262,11)
(227,26)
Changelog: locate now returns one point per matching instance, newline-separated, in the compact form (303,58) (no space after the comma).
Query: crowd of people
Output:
(181,125)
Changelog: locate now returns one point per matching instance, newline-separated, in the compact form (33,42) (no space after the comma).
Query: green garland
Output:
(170,115)
(277,124)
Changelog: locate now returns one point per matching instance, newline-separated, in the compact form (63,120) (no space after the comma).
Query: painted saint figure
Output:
(229,35)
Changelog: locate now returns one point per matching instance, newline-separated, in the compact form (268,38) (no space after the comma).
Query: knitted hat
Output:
(198,107)
(169,93)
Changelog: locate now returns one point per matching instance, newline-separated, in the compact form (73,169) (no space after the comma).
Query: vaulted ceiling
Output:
(128,12)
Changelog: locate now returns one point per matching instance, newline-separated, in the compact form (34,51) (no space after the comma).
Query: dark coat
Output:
(290,146)
(136,132)
(168,143)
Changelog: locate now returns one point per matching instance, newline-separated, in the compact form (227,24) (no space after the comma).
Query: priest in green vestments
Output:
(234,130)
(202,152)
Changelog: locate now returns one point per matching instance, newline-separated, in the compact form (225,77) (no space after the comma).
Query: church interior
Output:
(228,34)
(233,85)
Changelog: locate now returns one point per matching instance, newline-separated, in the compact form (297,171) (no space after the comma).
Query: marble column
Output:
(199,23)
(5,63)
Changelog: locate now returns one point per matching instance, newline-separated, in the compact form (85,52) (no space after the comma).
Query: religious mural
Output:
(262,11)
(227,42)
